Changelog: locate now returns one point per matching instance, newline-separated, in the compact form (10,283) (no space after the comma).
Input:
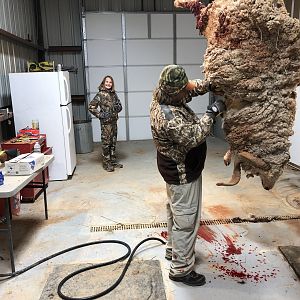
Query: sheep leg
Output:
(259,164)
(253,160)
(236,175)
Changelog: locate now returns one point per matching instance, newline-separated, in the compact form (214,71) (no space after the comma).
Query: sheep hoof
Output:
(227,158)
(231,182)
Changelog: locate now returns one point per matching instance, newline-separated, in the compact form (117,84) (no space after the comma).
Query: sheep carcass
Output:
(253,57)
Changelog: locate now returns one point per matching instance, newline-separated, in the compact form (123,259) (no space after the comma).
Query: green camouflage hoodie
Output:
(109,106)
(179,135)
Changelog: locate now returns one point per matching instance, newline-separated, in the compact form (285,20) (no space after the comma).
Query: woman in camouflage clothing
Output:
(179,136)
(109,106)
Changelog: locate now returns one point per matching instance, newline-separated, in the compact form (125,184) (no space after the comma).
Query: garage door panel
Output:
(149,52)
(136,25)
(139,103)
(186,26)
(104,52)
(96,74)
(186,53)
(100,25)
(143,78)
(136,62)
(161,26)
(194,72)
(199,104)
(140,128)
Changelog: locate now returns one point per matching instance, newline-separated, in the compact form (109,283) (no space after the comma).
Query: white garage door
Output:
(133,48)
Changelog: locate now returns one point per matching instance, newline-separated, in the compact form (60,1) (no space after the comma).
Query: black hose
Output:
(129,253)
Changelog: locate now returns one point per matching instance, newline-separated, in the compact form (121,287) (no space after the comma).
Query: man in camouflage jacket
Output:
(179,136)
(109,106)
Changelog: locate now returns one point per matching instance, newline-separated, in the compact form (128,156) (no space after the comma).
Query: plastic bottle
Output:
(37,147)
(1,178)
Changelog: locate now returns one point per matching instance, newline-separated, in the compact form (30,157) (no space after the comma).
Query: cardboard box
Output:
(24,164)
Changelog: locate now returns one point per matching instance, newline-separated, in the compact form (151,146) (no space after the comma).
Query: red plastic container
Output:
(30,194)
(15,205)
(29,131)
(26,145)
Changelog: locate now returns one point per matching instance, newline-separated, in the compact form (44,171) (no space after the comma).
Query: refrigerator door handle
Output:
(67,92)
(69,119)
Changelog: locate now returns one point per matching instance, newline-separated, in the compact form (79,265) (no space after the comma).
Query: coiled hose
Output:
(129,254)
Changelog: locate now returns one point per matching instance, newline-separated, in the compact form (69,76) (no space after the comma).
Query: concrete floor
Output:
(239,260)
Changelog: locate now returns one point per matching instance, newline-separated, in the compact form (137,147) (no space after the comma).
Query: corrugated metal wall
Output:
(62,30)
(17,17)
(131,5)
(293,7)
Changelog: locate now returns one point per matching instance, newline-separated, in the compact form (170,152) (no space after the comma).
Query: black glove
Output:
(104,115)
(216,108)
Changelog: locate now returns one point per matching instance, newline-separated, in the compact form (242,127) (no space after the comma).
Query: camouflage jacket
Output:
(106,105)
(179,135)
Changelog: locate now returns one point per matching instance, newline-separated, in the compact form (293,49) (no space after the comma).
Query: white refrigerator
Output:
(46,97)
(295,139)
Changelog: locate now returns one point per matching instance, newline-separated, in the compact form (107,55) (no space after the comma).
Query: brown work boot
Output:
(108,167)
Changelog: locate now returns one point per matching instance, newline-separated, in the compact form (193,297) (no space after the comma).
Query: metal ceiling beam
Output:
(19,40)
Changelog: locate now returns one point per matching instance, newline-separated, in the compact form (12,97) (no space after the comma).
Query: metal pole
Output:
(174,38)
(9,230)
(293,8)
(45,194)
(124,50)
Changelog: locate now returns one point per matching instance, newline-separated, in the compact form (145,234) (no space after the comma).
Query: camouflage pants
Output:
(183,212)
(109,139)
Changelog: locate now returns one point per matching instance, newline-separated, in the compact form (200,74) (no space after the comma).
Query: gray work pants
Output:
(183,212)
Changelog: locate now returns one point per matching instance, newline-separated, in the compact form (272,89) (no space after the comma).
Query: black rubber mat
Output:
(143,280)
(292,255)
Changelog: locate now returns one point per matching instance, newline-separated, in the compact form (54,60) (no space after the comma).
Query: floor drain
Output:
(294,200)
(237,220)
(288,188)
(127,226)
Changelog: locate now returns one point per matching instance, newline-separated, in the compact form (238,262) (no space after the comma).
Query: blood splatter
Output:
(228,261)
(164,234)
(220,211)
(231,248)
(244,274)
(206,233)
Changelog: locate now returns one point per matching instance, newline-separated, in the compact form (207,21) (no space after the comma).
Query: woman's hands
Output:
(104,115)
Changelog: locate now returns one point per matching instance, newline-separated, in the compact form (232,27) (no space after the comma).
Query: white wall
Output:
(133,49)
